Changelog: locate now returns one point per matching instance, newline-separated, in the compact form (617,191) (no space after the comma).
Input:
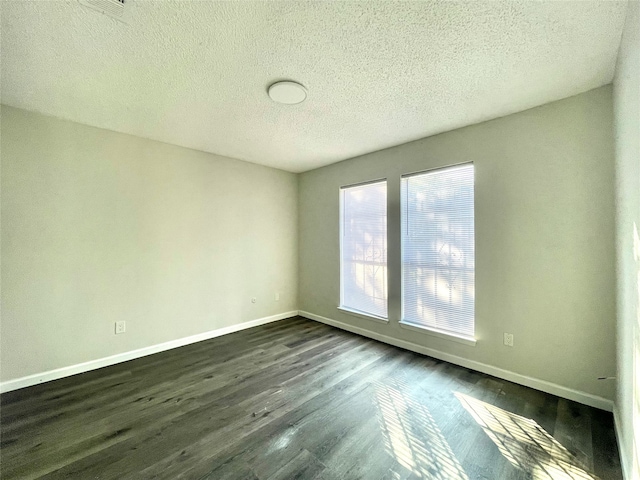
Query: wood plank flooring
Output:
(296,399)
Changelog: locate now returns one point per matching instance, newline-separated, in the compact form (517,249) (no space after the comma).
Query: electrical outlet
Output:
(253,299)
(277,297)
(508,339)
(120,327)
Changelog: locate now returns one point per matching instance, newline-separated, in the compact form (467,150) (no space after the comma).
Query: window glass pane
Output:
(438,269)
(364,248)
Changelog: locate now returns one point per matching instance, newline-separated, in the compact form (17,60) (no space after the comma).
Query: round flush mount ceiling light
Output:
(289,93)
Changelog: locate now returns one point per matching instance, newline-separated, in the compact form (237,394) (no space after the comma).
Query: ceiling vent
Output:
(114,8)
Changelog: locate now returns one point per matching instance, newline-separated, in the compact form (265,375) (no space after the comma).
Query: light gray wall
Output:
(627,146)
(99,226)
(544,239)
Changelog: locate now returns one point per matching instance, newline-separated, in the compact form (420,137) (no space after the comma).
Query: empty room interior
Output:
(320,239)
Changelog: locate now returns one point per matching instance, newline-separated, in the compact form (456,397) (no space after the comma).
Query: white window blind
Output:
(438,269)
(363,266)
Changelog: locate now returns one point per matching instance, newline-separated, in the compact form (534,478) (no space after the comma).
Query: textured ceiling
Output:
(379,73)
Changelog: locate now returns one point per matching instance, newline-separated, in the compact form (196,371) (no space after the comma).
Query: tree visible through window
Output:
(438,254)
(363,248)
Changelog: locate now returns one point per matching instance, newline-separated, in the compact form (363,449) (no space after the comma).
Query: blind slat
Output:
(438,267)
(363,247)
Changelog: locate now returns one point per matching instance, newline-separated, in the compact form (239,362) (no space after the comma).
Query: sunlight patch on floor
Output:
(524,443)
(412,437)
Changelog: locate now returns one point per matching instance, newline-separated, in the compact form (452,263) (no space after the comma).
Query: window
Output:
(363,249)
(438,269)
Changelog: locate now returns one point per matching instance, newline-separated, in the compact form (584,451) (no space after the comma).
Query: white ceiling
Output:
(378,73)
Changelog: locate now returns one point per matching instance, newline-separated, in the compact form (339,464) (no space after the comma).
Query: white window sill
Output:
(440,334)
(368,316)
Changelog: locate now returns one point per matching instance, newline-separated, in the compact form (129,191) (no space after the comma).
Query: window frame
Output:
(341,305)
(433,331)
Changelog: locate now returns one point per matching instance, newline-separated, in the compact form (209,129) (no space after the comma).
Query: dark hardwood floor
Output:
(297,399)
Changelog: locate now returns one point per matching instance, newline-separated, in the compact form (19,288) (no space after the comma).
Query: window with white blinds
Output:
(363,248)
(438,269)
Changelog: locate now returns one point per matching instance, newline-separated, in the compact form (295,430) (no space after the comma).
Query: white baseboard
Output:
(625,462)
(575,395)
(542,385)
(47,376)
